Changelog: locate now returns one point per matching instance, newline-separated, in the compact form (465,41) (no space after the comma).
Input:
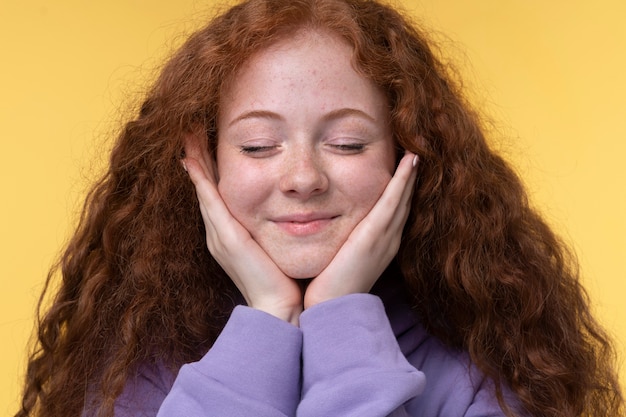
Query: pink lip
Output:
(305,223)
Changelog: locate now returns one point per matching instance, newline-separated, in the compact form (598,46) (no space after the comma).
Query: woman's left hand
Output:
(372,244)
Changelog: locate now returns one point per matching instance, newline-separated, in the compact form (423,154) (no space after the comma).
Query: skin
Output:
(302,184)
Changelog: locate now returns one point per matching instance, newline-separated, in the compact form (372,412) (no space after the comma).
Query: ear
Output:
(196,147)
(196,139)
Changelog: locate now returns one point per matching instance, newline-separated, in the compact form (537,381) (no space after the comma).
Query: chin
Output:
(303,270)
(303,261)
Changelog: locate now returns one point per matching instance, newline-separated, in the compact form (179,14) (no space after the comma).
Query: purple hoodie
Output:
(352,356)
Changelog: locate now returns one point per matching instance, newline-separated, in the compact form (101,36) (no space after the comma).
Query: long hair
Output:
(485,271)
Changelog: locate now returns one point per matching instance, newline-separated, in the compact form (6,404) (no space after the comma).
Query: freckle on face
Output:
(305,176)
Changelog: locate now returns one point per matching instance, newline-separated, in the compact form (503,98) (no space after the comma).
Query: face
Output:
(304,150)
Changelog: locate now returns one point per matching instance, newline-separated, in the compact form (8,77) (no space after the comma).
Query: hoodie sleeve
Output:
(253,369)
(352,364)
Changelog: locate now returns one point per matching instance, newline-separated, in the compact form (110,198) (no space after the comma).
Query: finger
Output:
(214,211)
(409,185)
(196,147)
(397,194)
(208,158)
(403,208)
(409,189)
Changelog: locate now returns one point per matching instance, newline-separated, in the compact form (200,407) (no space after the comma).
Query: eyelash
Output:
(350,147)
(255,149)
(345,147)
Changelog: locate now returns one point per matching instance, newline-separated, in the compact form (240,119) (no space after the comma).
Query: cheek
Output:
(238,194)
(240,187)
(364,184)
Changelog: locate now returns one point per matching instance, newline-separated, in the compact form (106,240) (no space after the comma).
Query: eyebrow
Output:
(346,112)
(330,116)
(257,114)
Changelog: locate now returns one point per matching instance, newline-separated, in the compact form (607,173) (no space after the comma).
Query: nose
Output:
(303,175)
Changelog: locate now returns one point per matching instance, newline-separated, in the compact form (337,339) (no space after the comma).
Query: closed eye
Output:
(349,147)
(257,150)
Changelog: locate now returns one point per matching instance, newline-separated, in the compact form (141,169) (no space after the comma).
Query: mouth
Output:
(304,224)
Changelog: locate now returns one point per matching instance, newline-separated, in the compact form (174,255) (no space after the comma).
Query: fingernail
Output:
(415,159)
(182,161)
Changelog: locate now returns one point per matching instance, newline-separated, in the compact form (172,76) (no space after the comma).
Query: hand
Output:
(260,281)
(372,244)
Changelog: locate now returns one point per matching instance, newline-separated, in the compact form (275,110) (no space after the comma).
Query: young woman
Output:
(305,219)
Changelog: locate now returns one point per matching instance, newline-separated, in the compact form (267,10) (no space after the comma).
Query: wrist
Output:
(290,314)
(319,292)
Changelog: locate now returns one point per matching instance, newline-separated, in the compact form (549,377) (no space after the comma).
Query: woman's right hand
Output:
(260,281)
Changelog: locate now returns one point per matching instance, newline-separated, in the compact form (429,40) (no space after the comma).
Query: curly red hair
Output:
(485,271)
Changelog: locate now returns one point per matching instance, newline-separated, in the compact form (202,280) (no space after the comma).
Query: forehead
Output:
(267,52)
(317,62)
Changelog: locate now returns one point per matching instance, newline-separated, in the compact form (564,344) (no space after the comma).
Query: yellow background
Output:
(549,73)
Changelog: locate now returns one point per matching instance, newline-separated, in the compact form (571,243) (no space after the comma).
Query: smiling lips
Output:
(306,224)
